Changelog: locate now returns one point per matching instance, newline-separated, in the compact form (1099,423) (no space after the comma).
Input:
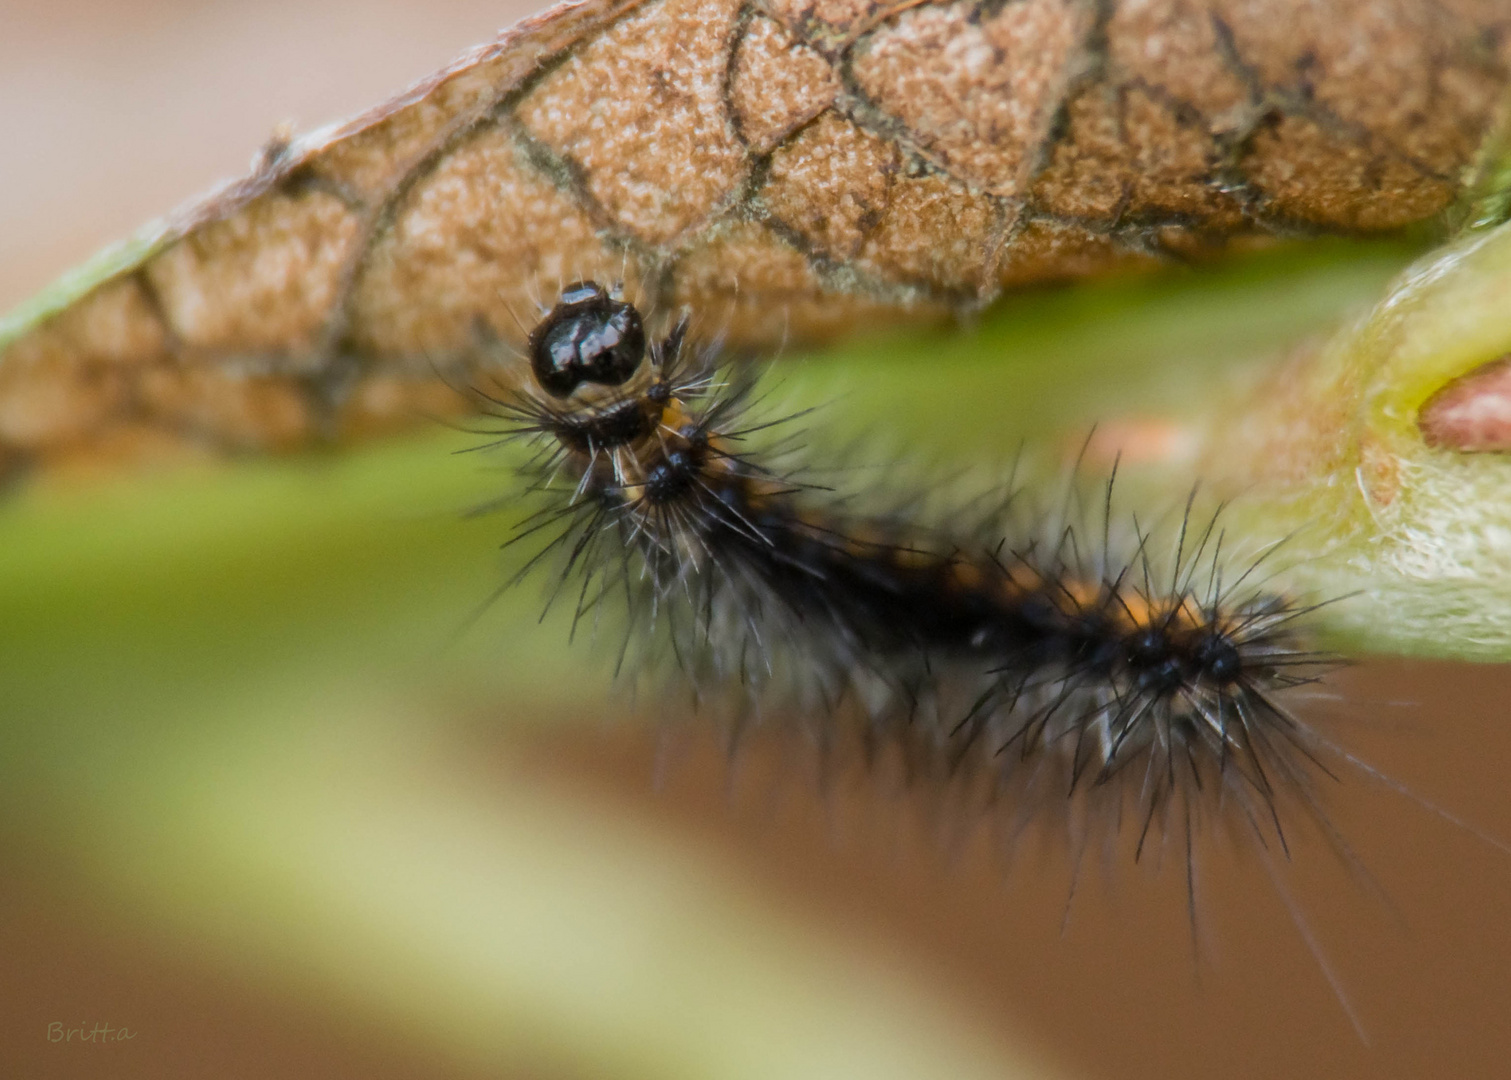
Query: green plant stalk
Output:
(1329,450)
(1409,544)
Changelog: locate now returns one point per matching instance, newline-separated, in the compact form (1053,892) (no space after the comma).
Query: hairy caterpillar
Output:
(1059,665)
(1021,662)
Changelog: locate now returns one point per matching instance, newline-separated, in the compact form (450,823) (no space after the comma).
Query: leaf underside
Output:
(789,172)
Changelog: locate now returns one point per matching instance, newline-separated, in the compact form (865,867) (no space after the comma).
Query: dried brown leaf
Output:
(787,167)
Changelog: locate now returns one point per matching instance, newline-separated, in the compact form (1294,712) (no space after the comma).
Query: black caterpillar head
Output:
(589,336)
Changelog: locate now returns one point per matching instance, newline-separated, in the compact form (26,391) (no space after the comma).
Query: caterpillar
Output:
(1032,664)
(1016,661)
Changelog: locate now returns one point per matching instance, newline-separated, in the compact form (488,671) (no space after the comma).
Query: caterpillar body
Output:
(1022,661)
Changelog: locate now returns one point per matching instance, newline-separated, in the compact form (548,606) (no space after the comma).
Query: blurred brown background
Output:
(111,113)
